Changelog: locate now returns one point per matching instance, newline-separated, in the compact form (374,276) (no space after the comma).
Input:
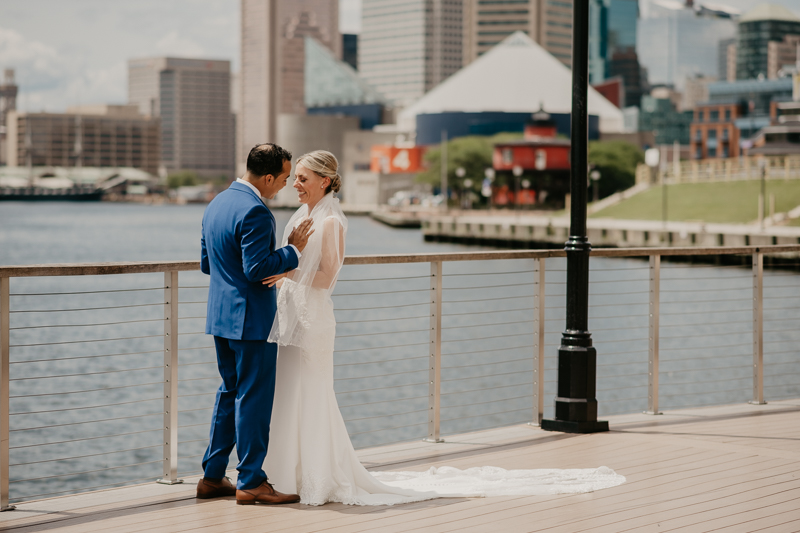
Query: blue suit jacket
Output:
(238,251)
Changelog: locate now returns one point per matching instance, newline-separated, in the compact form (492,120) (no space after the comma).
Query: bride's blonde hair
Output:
(325,164)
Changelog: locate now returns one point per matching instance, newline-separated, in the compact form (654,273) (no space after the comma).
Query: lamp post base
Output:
(569,426)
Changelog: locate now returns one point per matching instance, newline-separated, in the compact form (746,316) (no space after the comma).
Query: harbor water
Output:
(87,351)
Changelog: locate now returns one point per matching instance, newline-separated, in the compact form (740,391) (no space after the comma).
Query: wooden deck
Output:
(730,468)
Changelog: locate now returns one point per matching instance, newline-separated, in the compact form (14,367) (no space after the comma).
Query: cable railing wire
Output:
(97,437)
(384,416)
(89,373)
(489,273)
(87,422)
(380,347)
(84,308)
(97,454)
(485,414)
(485,350)
(382,388)
(380,307)
(86,407)
(83,357)
(381,361)
(384,401)
(88,390)
(86,341)
(449,372)
(382,333)
(486,401)
(85,292)
(85,472)
(87,325)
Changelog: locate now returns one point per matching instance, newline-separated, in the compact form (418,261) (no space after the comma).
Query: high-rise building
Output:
(682,41)
(765,23)
(8,103)
(661,116)
(85,136)
(598,41)
(192,98)
(695,91)
(547,22)
(623,60)
(293,62)
(407,47)
(782,54)
(723,53)
(622,18)
(296,19)
(350,49)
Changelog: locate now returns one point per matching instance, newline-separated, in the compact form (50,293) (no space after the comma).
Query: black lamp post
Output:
(576,405)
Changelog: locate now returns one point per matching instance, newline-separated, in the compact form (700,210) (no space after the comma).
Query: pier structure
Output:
(516,231)
(452,365)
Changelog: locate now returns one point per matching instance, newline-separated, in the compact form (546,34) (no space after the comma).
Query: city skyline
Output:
(76,53)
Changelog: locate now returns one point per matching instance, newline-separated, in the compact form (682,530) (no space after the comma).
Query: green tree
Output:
(616,161)
(473,154)
(182,178)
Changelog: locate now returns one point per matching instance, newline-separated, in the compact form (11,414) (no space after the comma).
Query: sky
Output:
(75,52)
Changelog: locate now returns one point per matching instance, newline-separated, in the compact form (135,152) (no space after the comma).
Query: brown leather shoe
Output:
(215,488)
(265,494)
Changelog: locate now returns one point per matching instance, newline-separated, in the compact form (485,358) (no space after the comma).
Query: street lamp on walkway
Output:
(576,405)
(517,171)
(594,175)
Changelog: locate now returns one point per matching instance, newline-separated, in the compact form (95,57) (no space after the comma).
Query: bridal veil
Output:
(317,270)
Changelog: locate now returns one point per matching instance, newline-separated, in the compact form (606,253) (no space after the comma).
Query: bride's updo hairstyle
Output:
(323,164)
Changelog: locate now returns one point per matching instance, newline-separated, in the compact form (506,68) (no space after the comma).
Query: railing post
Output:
(652,356)
(435,359)
(5,358)
(758,329)
(538,342)
(170,379)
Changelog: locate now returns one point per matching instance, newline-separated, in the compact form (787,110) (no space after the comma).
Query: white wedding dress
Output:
(310,452)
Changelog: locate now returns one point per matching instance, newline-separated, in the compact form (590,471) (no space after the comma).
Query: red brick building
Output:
(713,132)
(542,163)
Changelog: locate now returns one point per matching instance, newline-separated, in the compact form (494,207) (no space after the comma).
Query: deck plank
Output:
(727,468)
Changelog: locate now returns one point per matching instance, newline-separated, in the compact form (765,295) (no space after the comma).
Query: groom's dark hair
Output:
(266,159)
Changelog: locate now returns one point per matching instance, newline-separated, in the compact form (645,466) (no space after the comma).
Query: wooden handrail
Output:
(145,267)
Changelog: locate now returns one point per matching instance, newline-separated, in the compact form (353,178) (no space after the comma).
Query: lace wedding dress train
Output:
(310,452)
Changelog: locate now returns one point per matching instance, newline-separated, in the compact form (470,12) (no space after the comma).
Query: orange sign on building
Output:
(395,160)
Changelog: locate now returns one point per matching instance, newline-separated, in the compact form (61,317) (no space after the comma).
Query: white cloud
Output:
(37,65)
(175,45)
(99,85)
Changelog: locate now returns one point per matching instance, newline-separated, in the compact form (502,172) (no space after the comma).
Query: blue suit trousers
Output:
(242,410)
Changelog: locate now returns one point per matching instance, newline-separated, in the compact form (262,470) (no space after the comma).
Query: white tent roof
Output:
(516,76)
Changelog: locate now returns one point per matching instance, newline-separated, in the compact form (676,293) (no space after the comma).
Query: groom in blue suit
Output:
(238,251)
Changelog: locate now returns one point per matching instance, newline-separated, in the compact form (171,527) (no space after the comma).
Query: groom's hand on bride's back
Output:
(299,235)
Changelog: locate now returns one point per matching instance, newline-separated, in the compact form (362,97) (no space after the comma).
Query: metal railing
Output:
(725,169)
(427,345)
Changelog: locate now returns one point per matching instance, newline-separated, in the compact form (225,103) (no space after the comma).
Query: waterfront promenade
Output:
(520,229)
(728,468)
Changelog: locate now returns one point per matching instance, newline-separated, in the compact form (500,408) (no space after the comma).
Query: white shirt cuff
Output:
(296,251)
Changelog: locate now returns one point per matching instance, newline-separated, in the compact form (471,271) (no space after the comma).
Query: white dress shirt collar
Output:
(253,187)
(240,180)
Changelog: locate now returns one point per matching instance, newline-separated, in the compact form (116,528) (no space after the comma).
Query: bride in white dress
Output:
(310,452)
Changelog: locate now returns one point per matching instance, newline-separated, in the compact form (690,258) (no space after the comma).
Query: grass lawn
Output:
(728,202)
